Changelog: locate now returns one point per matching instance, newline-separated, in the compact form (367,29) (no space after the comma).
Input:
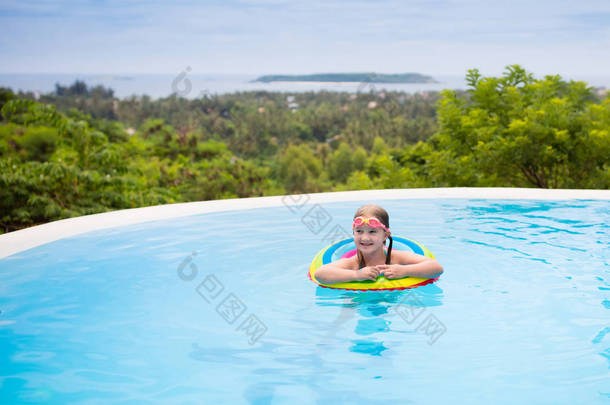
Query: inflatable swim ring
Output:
(346,248)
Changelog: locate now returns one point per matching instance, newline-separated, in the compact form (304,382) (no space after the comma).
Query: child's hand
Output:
(391,271)
(367,273)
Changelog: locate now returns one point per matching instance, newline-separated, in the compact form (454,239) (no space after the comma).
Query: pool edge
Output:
(24,239)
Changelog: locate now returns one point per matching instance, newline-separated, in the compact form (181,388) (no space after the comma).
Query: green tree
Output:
(379,146)
(341,164)
(359,159)
(38,143)
(55,167)
(519,131)
(300,170)
(5,95)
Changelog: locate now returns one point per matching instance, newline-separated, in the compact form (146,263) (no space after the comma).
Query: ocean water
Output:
(218,308)
(197,85)
(190,85)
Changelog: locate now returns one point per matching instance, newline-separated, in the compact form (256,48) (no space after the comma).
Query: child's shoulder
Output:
(350,263)
(402,256)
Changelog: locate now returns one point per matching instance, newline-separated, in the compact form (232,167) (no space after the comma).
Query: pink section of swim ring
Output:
(349,254)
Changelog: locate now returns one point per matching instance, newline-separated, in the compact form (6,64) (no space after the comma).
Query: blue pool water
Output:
(217,308)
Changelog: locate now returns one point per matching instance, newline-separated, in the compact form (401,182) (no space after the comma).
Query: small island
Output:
(350,77)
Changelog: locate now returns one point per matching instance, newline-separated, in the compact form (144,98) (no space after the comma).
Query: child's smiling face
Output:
(369,239)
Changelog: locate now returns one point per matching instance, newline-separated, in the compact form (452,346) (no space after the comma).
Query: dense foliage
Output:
(81,151)
(518,131)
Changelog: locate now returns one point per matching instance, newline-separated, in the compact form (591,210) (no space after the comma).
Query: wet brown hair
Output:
(372,210)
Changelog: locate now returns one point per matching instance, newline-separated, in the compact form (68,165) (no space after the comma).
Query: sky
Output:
(437,37)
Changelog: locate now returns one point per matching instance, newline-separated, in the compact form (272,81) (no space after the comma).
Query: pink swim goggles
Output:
(372,222)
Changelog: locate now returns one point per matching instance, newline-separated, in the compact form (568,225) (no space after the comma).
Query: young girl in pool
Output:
(371,228)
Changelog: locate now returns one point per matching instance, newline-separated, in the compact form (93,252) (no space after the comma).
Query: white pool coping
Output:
(18,241)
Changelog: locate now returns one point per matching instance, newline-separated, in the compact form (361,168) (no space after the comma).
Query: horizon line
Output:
(191,73)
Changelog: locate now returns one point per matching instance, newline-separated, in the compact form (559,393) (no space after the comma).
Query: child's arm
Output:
(412,265)
(339,271)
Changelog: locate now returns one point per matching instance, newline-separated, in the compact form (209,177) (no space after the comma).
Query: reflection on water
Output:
(375,311)
(276,366)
